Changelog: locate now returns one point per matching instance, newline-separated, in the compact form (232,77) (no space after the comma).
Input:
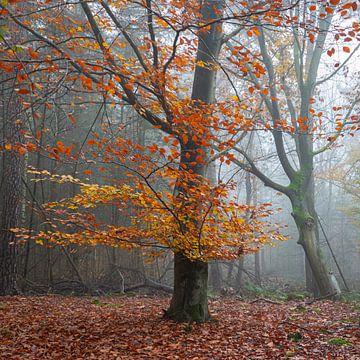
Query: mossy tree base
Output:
(306,226)
(189,302)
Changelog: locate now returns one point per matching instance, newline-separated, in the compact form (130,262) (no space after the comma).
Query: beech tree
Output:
(195,219)
(112,54)
(290,110)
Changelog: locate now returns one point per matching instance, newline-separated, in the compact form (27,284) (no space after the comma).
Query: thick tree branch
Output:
(251,166)
(152,33)
(274,110)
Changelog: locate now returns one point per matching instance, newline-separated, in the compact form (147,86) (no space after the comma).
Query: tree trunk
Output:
(307,239)
(215,270)
(239,275)
(257,268)
(189,301)
(310,281)
(11,172)
(10,190)
(215,276)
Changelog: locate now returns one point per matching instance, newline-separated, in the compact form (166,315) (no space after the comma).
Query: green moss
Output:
(296,184)
(5,331)
(301,215)
(349,321)
(212,294)
(101,304)
(352,298)
(294,336)
(297,295)
(300,309)
(196,313)
(253,290)
(339,341)
(193,313)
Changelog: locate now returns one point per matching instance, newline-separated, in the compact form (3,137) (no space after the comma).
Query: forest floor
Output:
(57,327)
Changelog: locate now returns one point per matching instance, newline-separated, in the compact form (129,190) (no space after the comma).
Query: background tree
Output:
(294,57)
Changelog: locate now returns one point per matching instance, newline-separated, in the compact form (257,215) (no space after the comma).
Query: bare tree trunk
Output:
(215,276)
(239,275)
(308,240)
(310,282)
(257,268)
(254,194)
(189,301)
(10,190)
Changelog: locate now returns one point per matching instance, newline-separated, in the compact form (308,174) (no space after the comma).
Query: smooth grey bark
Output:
(215,276)
(215,273)
(305,218)
(257,254)
(189,301)
(249,194)
(300,190)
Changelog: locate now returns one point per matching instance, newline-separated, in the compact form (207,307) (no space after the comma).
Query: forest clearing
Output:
(179,179)
(56,327)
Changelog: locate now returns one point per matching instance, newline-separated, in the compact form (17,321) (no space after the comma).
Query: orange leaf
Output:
(33,54)
(256,31)
(21,150)
(199,159)
(72,119)
(23,91)
(87,83)
(31,147)
(329,10)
